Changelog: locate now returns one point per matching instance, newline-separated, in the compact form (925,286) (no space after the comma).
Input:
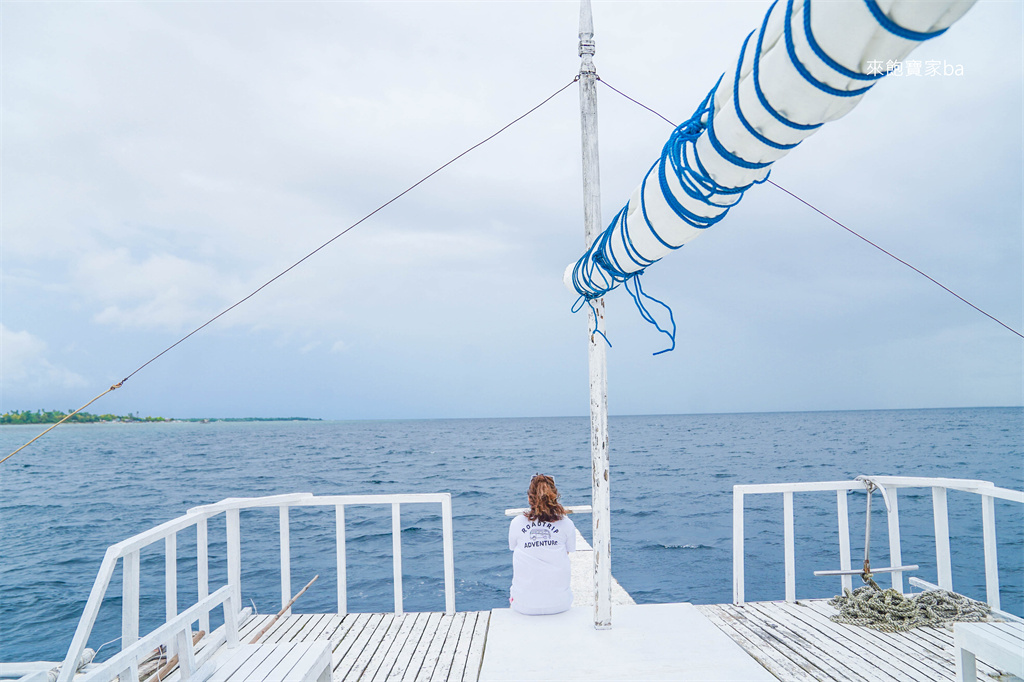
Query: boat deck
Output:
(797,641)
(793,642)
(384,646)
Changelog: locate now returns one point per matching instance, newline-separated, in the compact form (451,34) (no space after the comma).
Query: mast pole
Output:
(600,493)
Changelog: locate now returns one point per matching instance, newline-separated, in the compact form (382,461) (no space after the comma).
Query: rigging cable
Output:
(302,260)
(848,229)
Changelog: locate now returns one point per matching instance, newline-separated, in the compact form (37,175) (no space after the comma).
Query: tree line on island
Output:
(54,416)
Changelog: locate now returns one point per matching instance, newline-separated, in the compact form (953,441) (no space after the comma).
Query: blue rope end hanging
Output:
(637,293)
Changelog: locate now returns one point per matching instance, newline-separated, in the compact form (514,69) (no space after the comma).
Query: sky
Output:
(162,160)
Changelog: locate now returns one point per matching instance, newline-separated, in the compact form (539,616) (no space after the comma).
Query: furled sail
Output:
(810,62)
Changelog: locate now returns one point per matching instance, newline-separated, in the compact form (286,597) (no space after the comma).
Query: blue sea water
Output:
(85,487)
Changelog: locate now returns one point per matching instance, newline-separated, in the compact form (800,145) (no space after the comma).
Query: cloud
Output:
(158,291)
(145,195)
(24,365)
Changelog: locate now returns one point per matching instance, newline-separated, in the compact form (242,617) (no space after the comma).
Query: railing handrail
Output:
(128,551)
(889,484)
(130,655)
(574,509)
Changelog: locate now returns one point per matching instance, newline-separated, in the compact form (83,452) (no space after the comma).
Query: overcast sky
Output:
(161,160)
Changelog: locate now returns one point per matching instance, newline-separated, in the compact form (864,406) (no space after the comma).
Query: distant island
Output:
(54,416)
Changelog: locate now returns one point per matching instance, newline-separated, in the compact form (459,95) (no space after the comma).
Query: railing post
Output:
(895,546)
(171,575)
(339,529)
(171,584)
(449,554)
(942,557)
(88,619)
(788,541)
(737,546)
(234,555)
(988,521)
(396,549)
(130,600)
(286,559)
(203,569)
(844,538)
(231,610)
(186,653)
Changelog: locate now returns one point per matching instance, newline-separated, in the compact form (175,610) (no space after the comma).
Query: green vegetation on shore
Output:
(54,416)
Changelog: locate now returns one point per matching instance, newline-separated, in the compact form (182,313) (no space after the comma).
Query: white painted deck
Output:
(646,642)
(793,642)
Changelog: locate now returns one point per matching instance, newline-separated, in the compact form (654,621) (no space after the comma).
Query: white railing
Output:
(889,485)
(128,552)
(178,631)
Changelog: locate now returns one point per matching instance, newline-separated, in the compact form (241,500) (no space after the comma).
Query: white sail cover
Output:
(810,62)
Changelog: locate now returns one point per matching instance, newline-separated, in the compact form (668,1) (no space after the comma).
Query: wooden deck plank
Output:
(364,644)
(299,626)
(435,623)
(433,653)
(285,628)
(428,660)
(310,629)
(343,634)
(778,640)
(798,641)
(832,643)
(279,657)
(380,667)
(928,646)
(792,664)
(939,644)
(424,622)
(770,659)
(352,645)
(378,642)
(345,651)
(475,655)
(254,662)
(827,654)
(322,629)
(885,647)
(461,652)
(446,655)
(399,627)
(346,636)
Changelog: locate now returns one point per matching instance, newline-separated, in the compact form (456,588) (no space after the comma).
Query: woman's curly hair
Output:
(543,496)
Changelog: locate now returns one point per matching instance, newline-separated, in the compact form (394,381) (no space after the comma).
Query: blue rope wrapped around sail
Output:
(809,63)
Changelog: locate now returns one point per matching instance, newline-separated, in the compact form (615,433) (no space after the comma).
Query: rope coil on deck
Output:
(889,611)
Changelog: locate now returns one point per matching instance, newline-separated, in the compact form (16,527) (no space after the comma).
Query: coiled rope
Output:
(889,611)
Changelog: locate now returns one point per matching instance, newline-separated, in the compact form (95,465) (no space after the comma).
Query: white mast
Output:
(601,499)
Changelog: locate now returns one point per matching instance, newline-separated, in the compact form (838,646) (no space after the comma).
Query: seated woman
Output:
(541,540)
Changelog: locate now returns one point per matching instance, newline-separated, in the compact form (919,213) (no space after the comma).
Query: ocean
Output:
(85,487)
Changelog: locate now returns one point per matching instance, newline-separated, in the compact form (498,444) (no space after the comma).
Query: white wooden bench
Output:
(1001,645)
(287,662)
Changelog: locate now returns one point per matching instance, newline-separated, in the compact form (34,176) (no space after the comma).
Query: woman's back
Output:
(540,541)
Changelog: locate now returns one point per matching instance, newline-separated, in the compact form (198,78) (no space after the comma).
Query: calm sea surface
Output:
(85,487)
